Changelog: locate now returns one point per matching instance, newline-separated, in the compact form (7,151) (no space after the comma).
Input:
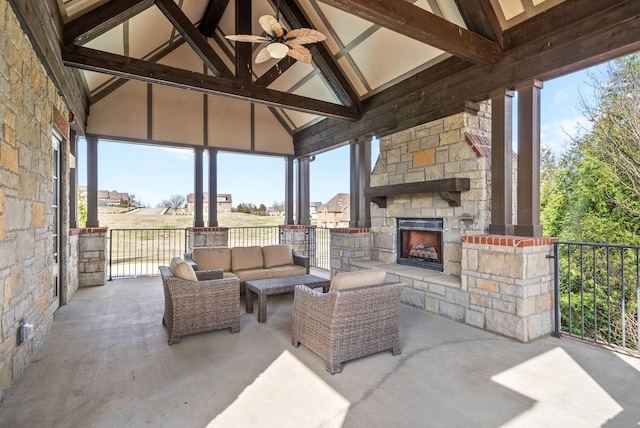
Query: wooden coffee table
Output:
(286,284)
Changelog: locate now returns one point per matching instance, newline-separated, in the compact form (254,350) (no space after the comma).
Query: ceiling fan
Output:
(281,44)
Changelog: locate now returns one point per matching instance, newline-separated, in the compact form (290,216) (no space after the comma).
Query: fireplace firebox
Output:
(420,243)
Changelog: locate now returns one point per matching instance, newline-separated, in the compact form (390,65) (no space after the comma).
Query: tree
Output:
(592,193)
(175,202)
(82,209)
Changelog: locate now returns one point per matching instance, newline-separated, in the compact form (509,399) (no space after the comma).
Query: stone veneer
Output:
(30,109)
(432,151)
(92,257)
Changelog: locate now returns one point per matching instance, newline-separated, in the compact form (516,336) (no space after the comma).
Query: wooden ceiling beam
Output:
(481,19)
(322,57)
(433,93)
(132,68)
(211,18)
(274,72)
(194,38)
(407,19)
(244,50)
(102,19)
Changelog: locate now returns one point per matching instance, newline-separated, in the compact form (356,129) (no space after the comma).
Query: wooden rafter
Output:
(405,18)
(442,89)
(244,51)
(322,57)
(481,19)
(212,16)
(131,68)
(102,19)
(194,38)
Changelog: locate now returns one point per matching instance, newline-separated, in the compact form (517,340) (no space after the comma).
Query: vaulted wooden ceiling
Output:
(385,66)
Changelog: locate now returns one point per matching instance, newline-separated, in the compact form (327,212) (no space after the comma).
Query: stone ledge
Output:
(412,272)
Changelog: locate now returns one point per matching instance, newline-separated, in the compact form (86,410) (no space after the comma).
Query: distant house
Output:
(108,198)
(223,202)
(335,213)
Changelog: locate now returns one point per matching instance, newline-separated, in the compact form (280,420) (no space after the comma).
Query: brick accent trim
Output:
(296,226)
(507,241)
(350,230)
(61,123)
(93,230)
(207,229)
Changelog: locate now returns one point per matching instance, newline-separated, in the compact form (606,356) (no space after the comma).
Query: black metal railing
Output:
(597,290)
(318,247)
(254,236)
(139,252)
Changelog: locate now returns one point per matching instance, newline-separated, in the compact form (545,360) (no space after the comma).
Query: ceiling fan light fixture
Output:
(277,50)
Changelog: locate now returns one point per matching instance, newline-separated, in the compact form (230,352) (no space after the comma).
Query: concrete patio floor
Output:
(106,363)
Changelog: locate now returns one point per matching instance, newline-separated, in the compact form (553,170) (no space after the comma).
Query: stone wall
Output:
(433,151)
(207,237)
(92,257)
(297,236)
(509,281)
(28,100)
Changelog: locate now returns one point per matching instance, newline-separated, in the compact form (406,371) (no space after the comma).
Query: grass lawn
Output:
(113,219)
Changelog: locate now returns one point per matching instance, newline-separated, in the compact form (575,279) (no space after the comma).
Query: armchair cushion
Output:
(346,280)
(182,269)
(277,255)
(212,258)
(243,258)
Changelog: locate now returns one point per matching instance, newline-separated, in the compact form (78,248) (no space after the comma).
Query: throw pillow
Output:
(183,270)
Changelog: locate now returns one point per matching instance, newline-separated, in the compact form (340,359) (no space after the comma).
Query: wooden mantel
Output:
(448,188)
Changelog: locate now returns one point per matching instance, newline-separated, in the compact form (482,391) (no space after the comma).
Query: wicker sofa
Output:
(250,263)
(357,317)
(195,302)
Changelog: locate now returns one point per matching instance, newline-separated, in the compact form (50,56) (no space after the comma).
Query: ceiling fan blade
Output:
(246,38)
(262,56)
(300,53)
(270,25)
(302,36)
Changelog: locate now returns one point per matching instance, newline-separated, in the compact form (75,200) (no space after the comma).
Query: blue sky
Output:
(153,174)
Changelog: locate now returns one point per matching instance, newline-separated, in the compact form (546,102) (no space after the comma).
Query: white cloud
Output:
(558,134)
(181,154)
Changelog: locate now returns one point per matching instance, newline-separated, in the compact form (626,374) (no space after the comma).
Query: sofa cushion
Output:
(277,255)
(288,270)
(208,258)
(243,258)
(181,269)
(251,274)
(346,280)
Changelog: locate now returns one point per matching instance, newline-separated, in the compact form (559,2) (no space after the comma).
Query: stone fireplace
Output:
(420,242)
(441,171)
(416,164)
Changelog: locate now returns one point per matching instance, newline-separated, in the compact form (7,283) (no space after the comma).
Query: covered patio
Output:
(106,363)
(433,80)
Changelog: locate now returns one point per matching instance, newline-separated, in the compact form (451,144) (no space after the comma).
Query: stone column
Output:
(297,236)
(528,208)
(501,163)
(347,245)
(92,259)
(207,237)
(510,284)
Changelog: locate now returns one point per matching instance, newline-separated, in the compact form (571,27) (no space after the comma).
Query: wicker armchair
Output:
(345,324)
(193,307)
